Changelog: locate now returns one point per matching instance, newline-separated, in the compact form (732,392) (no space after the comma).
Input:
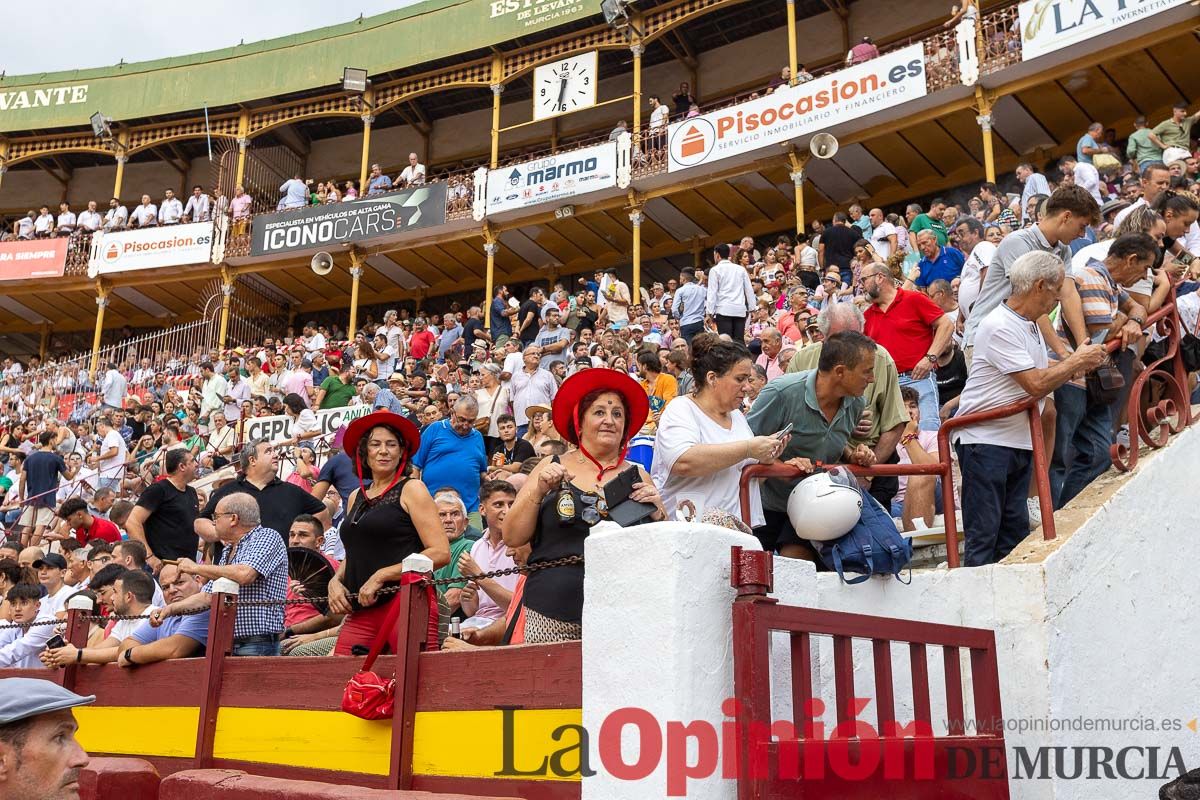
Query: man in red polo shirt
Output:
(422,339)
(914,331)
(84,525)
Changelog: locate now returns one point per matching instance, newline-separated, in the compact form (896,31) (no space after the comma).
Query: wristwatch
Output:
(1141,322)
(933,359)
(129,657)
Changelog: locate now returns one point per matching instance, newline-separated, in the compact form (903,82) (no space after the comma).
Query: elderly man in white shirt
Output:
(171,210)
(117,215)
(730,295)
(413,174)
(90,220)
(199,206)
(145,215)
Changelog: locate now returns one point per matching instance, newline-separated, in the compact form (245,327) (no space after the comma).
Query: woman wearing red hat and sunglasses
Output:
(597,410)
(384,524)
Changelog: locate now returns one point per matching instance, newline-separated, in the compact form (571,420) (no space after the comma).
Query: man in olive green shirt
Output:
(823,407)
(1143,146)
(885,412)
(337,390)
(1177,131)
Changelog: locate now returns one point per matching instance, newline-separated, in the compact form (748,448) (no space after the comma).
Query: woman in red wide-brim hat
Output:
(384,524)
(597,410)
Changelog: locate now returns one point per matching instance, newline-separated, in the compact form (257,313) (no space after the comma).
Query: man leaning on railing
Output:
(256,558)
(1010,366)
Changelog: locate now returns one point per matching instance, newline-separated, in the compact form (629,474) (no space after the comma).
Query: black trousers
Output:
(734,326)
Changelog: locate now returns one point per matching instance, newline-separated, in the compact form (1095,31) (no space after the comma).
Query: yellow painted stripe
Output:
(470,743)
(141,730)
(330,740)
(449,743)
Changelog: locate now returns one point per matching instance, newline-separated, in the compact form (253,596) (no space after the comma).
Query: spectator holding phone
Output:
(704,440)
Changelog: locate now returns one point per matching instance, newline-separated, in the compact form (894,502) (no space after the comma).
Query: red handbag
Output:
(368,695)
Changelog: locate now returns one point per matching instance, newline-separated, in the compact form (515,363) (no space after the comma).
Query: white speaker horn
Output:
(321,264)
(823,145)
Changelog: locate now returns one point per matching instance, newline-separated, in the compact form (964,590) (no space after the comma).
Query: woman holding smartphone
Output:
(703,439)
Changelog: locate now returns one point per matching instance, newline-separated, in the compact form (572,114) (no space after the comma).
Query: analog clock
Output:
(564,86)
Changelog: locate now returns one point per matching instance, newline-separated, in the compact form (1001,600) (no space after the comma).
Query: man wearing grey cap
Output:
(40,758)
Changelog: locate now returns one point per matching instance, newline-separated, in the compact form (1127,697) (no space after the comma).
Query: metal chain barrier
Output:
(389,590)
(565,561)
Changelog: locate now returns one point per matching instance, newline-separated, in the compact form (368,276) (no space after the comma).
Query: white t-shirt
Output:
(659,117)
(808,257)
(513,363)
(1005,343)
(682,426)
(305,422)
(880,239)
(125,628)
(54,603)
(969,282)
(110,467)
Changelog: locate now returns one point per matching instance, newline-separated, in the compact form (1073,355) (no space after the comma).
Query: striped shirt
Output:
(263,550)
(1101,297)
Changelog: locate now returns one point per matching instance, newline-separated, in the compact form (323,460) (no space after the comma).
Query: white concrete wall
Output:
(1103,629)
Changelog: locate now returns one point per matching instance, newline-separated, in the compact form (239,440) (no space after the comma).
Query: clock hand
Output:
(562,92)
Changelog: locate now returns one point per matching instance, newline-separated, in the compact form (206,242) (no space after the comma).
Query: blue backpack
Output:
(872,547)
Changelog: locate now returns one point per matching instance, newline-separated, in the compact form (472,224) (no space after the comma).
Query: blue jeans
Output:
(995,483)
(258,646)
(928,403)
(1082,438)
(897,506)
(688,332)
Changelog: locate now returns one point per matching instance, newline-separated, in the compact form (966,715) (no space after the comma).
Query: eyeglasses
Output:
(224,514)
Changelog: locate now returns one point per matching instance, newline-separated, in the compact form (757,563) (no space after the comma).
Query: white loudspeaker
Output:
(823,145)
(321,264)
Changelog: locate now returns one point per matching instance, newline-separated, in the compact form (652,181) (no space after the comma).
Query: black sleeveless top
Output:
(380,535)
(557,592)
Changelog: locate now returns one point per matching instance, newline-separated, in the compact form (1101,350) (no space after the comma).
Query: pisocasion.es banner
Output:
(345,223)
(150,248)
(790,112)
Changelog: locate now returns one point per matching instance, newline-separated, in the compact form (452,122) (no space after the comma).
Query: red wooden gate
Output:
(860,758)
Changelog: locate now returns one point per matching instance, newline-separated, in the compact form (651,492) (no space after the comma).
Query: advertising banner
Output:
(1051,25)
(40,258)
(277,428)
(320,227)
(794,111)
(150,248)
(556,177)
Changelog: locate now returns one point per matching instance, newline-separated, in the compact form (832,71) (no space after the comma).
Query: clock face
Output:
(565,86)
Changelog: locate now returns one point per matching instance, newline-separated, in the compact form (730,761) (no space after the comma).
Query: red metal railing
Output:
(943,468)
(1159,401)
(906,755)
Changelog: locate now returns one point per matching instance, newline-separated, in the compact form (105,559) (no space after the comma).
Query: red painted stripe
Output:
(169,683)
(551,677)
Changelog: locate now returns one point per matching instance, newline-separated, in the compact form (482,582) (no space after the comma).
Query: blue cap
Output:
(21,698)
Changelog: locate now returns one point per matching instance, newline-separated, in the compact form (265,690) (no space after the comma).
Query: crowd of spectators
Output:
(850,343)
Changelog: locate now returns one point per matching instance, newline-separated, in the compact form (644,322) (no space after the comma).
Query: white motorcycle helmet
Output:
(821,510)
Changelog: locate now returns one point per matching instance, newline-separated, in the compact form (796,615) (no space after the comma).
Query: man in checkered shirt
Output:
(256,558)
